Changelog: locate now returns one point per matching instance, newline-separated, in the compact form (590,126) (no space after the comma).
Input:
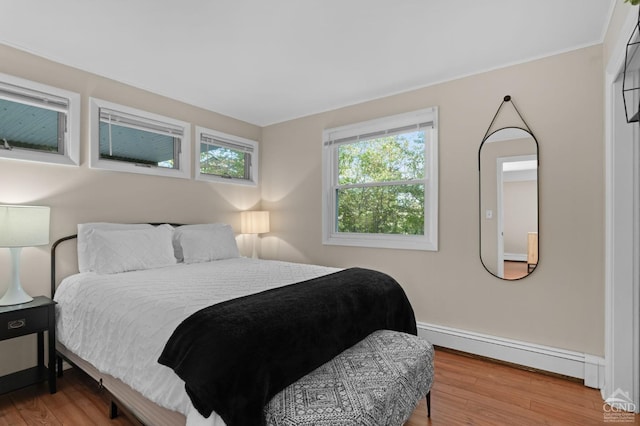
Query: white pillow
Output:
(131,250)
(85,248)
(205,245)
(178,231)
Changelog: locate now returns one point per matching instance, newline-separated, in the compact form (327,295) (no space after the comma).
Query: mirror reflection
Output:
(509,203)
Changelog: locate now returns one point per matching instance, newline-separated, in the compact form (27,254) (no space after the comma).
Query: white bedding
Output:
(121,322)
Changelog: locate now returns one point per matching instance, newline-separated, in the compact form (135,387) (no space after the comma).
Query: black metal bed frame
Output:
(53,260)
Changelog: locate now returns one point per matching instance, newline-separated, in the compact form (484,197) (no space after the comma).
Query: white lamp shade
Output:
(254,222)
(24,226)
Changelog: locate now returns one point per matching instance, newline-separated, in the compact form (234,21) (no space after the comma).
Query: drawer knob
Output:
(19,323)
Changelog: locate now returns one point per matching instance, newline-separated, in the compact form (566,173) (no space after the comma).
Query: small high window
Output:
(127,139)
(226,158)
(38,122)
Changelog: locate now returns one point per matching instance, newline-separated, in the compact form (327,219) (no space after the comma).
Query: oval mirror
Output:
(508,161)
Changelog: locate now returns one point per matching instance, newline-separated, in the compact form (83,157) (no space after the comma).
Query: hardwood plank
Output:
(84,406)
(9,415)
(537,389)
(562,397)
(31,406)
(483,396)
(94,401)
(498,394)
(63,405)
(567,415)
(490,414)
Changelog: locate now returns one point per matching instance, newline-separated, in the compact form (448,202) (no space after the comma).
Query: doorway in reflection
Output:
(517,215)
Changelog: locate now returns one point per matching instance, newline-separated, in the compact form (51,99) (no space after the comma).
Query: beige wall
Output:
(616,34)
(561,304)
(520,215)
(80,194)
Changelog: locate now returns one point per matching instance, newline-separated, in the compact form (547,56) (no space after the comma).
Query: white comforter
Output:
(121,322)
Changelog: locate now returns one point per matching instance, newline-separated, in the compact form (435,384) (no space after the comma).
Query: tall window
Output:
(38,122)
(380,182)
(226,158)
(132,140)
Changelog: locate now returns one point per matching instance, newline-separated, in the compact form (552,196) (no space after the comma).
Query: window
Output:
(380,184)
(38,122)
(131,140)
(226,158)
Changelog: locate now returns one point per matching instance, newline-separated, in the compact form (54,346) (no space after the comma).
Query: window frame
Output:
(95,162)
(330,235)
(71,143)
(231,140)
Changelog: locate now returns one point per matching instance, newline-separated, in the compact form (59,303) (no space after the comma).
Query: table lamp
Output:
(254,222)
(21,226)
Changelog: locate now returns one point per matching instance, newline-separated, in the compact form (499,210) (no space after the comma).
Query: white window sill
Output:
(404,242)
(38,157)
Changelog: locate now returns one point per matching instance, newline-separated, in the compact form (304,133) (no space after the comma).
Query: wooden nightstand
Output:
(36,316)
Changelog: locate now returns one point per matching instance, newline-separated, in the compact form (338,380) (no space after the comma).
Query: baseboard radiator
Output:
(587,367)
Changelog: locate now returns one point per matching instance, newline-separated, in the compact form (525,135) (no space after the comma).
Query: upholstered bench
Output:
(378,381)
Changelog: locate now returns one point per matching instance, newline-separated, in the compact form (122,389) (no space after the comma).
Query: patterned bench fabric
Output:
(378,381)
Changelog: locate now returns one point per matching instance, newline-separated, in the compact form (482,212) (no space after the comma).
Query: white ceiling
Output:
(266,62)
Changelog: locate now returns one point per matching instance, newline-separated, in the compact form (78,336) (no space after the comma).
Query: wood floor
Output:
(471,391)
(514,270)
(466,391)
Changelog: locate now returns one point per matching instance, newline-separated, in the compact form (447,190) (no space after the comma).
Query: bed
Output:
(134,291)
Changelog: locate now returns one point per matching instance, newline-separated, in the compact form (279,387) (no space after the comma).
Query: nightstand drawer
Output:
(27,321)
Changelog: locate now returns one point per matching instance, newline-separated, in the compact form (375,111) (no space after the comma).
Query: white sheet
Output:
(121,322)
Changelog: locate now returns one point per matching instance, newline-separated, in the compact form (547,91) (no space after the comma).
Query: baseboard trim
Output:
(516,257)
(587,367)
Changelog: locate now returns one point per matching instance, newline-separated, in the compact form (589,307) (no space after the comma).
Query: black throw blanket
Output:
(236,355)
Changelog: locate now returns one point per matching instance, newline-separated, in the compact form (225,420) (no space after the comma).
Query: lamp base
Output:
(15,295)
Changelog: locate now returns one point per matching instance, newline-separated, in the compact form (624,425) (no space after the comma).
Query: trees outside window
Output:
(380,183)
(226,158)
